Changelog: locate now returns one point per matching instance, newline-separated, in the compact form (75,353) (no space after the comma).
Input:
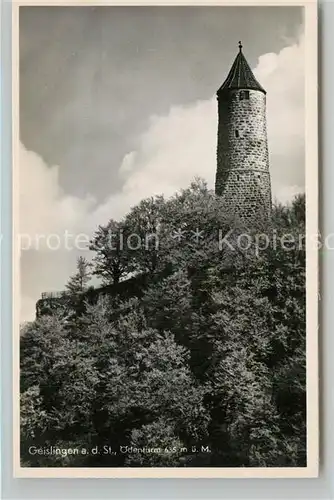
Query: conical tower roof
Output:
(240,76)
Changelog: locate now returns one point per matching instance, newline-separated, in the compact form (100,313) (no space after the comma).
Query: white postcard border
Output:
(312,270)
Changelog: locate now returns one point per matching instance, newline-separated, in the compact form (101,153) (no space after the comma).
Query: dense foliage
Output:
(204,367)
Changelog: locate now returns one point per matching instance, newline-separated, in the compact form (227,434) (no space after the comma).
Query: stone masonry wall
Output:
(243,177)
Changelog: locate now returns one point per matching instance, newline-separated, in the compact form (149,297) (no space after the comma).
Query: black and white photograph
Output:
(167,240)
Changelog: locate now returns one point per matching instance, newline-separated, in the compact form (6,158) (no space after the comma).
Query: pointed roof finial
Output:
(240,46)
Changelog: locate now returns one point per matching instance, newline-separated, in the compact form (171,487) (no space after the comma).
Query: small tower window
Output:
(244,94)
(237,133)
(238,178)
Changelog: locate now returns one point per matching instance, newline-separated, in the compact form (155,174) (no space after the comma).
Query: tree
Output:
(211,352)
(112,261)
(79,281)
(165,449)
(144,375)
(145,226)
(122,377)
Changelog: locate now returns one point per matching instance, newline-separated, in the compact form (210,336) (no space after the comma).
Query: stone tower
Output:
(243,178)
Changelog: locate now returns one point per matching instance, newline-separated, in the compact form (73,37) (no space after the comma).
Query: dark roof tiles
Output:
(240,76)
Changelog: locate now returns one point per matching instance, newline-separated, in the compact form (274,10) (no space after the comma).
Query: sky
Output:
(118,103)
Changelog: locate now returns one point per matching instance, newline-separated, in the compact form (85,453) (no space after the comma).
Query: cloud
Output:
(44,207)
(282,75)
(181,145)
(49,220)
(171,152)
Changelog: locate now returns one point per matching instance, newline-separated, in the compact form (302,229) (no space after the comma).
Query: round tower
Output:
(243,177)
